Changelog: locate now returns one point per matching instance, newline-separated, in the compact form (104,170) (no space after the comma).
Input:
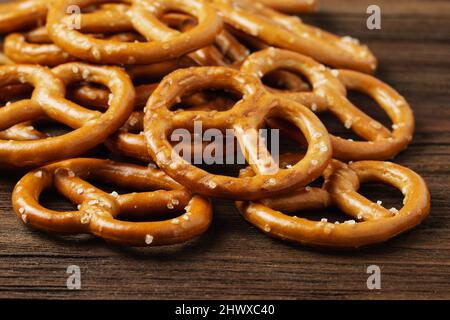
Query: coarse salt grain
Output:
(394,211)
(148,239)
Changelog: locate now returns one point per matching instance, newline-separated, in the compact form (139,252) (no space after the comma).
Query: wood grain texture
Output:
(233,259)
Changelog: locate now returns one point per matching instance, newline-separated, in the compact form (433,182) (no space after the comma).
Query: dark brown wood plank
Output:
(233,259)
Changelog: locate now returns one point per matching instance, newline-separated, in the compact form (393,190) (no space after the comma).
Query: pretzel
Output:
(19,15)
(98,97)
(228,45)
(375,223)
(130,142)
(329,94)
(143,15)
(245,118)
(291,33)
(99,212)
(157,71)
(18,49)
(269,60)
(35,47)
(291,6)
(231,48)
(279,78)
(208,56)
(4,59)
(90,127)
(22,132)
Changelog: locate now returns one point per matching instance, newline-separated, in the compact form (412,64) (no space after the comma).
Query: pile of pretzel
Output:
(126,74)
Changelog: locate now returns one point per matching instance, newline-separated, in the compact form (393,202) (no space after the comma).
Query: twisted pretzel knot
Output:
(86,94)
(21,14)
(129,141)
(144,16)
(98,212)
(245,120)
(230,49)
(329,94)
(375,223)
(290,33)
(90,127)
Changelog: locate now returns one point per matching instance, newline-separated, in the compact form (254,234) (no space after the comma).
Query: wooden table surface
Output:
(233,259)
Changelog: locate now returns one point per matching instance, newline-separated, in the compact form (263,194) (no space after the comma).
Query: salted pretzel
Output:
(17,15)
(99,212)
(291,33)
(22,131)
(279,78)
(144,15)
(230,48)
(89,95)
(130,142)
(245,118)
(329,95)
(291,6)
(20,50)
(269,60)
(35,46)
(370,222)
(91,128)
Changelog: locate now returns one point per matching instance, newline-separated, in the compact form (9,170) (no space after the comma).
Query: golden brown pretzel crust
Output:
(37,48)
(291,6)
(375,223)
(330,95)
(144,15)
(4,59)
(291,33)
(91,128)
(269,60)
(20,50)
(245,121)
(99,211)
(196,45)
(133,145)
(17,15)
